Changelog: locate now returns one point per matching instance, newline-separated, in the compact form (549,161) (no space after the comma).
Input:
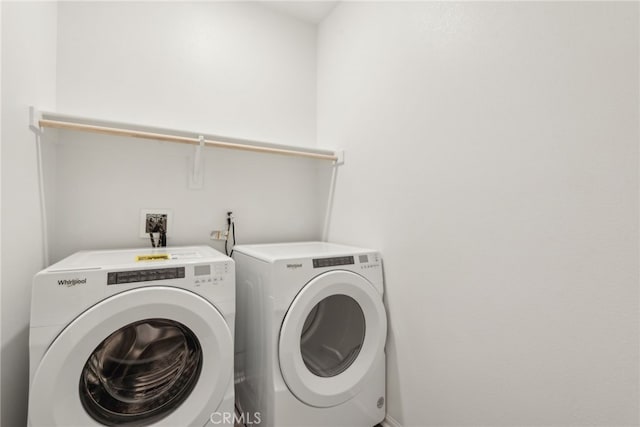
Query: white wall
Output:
(235,69)
(493,158)
(28,78)
(103,182)
(231,68)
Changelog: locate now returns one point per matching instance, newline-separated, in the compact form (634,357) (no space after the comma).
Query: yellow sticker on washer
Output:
(154,257)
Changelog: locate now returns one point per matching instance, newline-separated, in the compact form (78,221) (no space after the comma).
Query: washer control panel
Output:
(211,274)
(196,274)
(147,275)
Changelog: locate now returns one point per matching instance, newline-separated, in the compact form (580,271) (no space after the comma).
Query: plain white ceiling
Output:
(308,11)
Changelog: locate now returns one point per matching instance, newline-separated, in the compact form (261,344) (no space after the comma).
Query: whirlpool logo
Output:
(72,282)
(294,266)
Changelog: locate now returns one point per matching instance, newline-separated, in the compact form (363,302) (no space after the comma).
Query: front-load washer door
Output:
(331,337)
(157,356)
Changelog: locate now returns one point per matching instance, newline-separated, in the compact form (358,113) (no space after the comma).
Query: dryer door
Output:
(332,335)
(154,355)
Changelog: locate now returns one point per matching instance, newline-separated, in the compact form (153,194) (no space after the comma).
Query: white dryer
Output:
(133,337)
(310,335)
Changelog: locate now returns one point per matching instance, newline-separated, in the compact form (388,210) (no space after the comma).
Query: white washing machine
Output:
(133,337)
(310,335)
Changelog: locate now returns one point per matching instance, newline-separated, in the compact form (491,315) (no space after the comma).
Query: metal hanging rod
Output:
(70,123)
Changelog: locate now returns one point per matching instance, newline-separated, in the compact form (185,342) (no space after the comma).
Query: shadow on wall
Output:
(15,394)
(326,190)
(393,368)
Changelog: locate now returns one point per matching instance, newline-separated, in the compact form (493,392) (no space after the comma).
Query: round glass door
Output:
(153,355)
(140,373)
(331,338)
(332,335)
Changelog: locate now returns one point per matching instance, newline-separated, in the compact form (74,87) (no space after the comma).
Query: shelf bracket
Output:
(196,174)
(35,116)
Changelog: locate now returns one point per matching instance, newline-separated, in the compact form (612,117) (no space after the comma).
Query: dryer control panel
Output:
(368,261)
(364,261)
(333,261)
